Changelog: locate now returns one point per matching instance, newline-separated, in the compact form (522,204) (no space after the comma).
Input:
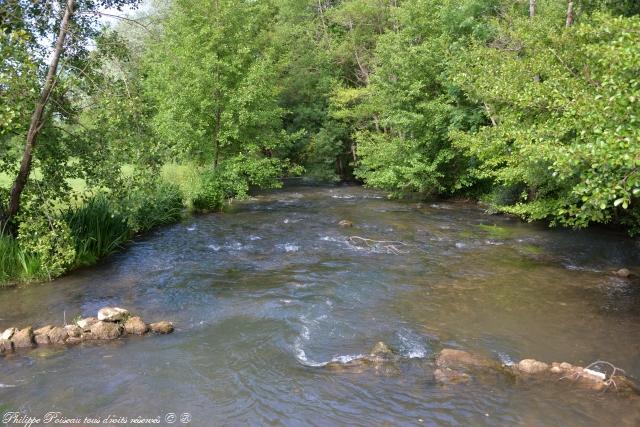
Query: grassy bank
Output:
(100,223)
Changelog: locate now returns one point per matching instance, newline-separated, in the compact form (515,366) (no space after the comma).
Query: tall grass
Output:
(97,229)
(161,205)
(15,264)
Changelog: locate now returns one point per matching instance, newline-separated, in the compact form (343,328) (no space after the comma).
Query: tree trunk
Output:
(37,121)
(569,14)
(216,137)
(532,8)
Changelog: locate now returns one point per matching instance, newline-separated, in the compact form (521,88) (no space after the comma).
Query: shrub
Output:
(46,247)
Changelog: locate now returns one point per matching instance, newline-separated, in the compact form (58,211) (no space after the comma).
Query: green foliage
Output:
(567,112)
(50,242)
(162,204)
(97,230)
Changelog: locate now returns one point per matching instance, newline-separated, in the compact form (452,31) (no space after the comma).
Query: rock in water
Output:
(163,327)
(41,335)
(381,349)
(136,326)
(345,223)
(6,346)
(8,333)
(532,366)
(58,335)
(623,272)
(86,323)
(455,359)
(112,314)
(23,338)
(74,331)
(105,331)
(449,376)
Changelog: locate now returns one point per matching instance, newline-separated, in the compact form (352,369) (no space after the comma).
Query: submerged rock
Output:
(450,376)
(380,349)
(345,223)
(381,359)
(8,333)
(135,326)
(86,323)
(105,331)
(458,359)
(162,327)
(113,314)
(23,338)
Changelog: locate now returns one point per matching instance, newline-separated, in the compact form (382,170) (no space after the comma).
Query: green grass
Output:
(16,265)
(97,230)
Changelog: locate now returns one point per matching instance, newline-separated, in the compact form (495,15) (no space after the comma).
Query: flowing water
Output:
(263,296)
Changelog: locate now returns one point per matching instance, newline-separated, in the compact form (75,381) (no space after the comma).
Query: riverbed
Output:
(265,294)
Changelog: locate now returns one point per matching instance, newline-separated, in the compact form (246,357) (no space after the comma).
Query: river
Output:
(265,294)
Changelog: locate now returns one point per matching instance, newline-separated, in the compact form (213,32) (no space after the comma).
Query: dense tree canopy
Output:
(532,107)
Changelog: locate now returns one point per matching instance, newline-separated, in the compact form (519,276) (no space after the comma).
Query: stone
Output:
(8,333)
(381,349)
(449,376)
(43,331)
(42,339)
(73,340)
(105,330)
(456,359)
(623,272)
(6,346)
(86,323)
(135,326)
(162,327)
(532,366)
(23,338)
(74,331)
(345,223)
(112,314)
(58,335)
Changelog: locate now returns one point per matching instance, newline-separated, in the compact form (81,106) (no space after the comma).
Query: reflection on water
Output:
(263,296)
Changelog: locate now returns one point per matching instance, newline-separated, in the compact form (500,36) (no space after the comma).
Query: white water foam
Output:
(288,247)
(301,355)
(505,359)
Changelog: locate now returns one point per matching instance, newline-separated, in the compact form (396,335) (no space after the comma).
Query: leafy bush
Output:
(47,247)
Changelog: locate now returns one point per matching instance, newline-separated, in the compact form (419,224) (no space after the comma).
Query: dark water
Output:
(264,295)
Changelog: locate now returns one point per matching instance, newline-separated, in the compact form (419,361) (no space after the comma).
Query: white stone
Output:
(112,314)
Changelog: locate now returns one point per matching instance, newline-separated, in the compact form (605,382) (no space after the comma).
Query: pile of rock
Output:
(110,323)
(457,366)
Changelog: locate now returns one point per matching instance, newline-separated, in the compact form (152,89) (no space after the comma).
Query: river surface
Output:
(264,295)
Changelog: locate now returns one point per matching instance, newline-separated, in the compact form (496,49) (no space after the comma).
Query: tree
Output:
(36,21)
